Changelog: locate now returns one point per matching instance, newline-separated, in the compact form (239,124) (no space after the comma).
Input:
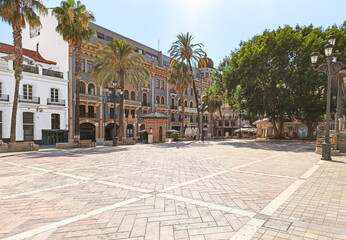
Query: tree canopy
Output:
(276,77)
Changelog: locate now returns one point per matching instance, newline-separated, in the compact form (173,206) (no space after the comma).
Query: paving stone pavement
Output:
(235,189)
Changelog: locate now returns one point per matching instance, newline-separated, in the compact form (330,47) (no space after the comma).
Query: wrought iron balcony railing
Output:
(55,101)
(29,99)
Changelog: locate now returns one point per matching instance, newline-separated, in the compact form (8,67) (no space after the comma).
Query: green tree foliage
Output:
(73,26)
(213,100)
(276,77)
(118,60)
(18,13)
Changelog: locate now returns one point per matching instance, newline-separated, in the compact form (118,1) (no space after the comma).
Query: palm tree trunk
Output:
(18,70)
(196,99)
(182,115)
(78,77)
(121,114)
(222,133)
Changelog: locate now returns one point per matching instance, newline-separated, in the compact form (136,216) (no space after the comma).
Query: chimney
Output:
(37,46)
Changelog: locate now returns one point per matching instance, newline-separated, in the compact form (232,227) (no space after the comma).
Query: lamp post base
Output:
(326,151)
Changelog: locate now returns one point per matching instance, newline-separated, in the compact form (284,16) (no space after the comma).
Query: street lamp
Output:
(331,68)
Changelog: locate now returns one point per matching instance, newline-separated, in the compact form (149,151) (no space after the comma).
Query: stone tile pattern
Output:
(208,199)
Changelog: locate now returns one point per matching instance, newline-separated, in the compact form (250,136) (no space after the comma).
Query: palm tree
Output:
(180,79)
(214,102)
(183,50)
(73,25)
(18,13)
(118,60)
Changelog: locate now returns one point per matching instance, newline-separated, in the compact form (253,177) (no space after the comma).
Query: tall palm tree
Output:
(118,60)
(214,102)
(180,79)
(17,13)
(183,50)
(73,25)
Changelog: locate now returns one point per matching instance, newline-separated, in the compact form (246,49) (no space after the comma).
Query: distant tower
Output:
(205,71)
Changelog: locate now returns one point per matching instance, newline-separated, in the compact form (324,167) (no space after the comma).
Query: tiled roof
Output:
(9,49)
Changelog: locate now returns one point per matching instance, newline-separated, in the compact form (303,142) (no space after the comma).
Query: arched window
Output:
(91,89)
(172,102)
(133,96)
(179,102)
(82,87)
(185,103)
(191,91)
(55,121)
(162,100)
(157,100)
(126,94)
(191,104)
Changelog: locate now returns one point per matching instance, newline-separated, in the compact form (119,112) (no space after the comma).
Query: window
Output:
(54,94)
(185,104)
(0,88)
(133,96)
(157,83)
(220,123)
(91,111)
(126,113)
(111,113)
(202,75)
(82,110)
(82,87)
(186,91)
(191,91)
(83,65)
(172,102)
(100,35)
(162,84)
(27,91)
(108,38)
(140,51)
(179,102)
(126,94)
(227,124)
(133,113)
(55,121)
(28,126)
(162,100)
(191,104)
(91,89)
(144,98)
(157,99)
(89,66)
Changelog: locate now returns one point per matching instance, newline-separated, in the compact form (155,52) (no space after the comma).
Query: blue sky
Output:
(219,24)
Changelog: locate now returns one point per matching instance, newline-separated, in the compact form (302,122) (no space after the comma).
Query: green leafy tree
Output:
(118,60)
(73,25)
(183,50)
(276,77)
(214,103)
(18,13)
(180,79)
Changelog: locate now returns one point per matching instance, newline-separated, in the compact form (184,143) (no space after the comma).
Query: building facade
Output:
(42,114)
(97,107)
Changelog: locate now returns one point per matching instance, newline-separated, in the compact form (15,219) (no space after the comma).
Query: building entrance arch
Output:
(87,132)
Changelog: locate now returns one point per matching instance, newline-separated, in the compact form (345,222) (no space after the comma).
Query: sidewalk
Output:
(317,210)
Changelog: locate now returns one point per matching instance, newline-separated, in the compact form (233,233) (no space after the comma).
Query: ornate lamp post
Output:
(331,68)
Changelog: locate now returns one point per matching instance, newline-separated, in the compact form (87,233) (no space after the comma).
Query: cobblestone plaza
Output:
(233,189)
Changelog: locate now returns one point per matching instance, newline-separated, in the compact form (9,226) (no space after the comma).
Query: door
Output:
(160,134)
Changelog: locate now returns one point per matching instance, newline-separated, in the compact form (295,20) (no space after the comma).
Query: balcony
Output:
(173,92)
(52,73)
(146,104)
(4,97)
(162,107)
(30,69)
(87,115)
(132,103)
(188,109)
(55,101)
(29,99)
(173,107)
(90,98)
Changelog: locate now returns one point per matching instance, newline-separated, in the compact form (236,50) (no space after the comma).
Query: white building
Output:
(43,107)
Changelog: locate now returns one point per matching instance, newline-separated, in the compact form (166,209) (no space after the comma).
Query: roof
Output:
(9,49)
(209,64)
(154,115)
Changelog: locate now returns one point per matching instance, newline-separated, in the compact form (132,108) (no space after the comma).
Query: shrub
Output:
(175,136)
